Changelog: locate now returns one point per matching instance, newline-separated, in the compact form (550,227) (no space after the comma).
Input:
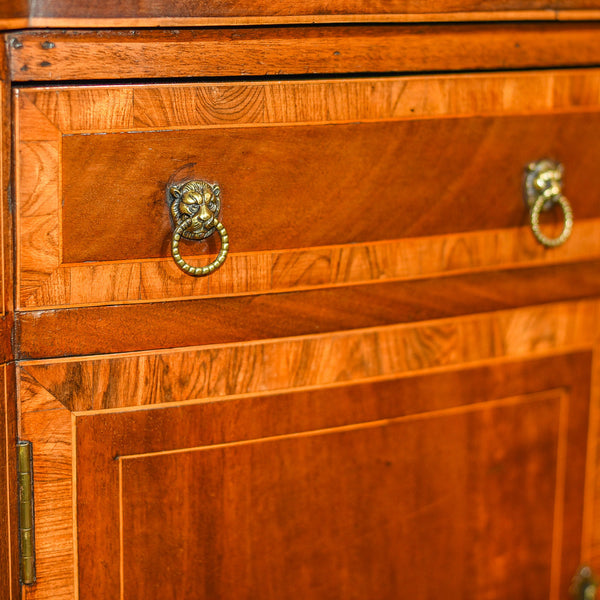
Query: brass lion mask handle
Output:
(195,206)
(543,190)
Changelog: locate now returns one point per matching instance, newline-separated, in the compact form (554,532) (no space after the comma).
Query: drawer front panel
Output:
(314,361)
(319,185)
(326,183)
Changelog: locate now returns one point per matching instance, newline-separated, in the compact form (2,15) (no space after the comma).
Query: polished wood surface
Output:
(316,410)
(362,438)
(360,495)
(9,542)
(158,13)
(228,370)
(75,13)
(269,252)
(9,560)
(249,274)
(221,8)
(390,389)
(14,9)
(526,375)
(590,551)
(6,220)
(44,114)
(56,333)
(6,217)
(576,4)
(245,52)
(48,426)
(367,182)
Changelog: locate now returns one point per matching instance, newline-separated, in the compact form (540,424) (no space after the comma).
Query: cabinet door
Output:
(464,483)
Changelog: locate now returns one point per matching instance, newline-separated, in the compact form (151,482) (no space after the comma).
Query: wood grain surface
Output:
(16,14)
(47,425)
(6,217)
(368,182)
(365,496)
(338,378)
(430,382)
(74,13)
(50,124)
(527,341)
(313,361)
(216,8)
(14,9)
(9,560)
(99,330)
(591,540)
(6,252)
(9,565)
(245,52)
(363,431)
(577,4)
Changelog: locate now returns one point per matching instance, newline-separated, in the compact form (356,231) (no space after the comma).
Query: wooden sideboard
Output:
(389,389)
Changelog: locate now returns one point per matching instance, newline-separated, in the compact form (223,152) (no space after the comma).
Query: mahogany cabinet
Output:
(387,388)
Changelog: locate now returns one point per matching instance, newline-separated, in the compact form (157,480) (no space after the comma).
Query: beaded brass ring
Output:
(199,271)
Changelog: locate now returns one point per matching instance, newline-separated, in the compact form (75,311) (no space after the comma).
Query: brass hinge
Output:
(26,530)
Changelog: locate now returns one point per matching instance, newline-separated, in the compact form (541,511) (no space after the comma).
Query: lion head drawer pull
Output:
(194,209)
(543,190)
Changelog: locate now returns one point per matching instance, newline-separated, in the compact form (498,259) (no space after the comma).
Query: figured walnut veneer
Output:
(151,326)
(145,13)
(121,262)
(389,389)
(321,441)
(8,510)
(250,52)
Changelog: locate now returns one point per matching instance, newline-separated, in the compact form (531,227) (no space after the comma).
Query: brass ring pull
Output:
(543,190)
(199,271)
(194,208)
(567,222)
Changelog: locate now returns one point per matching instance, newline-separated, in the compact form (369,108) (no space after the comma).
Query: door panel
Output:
(470,481)
(376,510)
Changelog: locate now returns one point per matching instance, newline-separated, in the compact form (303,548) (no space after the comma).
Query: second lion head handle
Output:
(543,191)
(195,207)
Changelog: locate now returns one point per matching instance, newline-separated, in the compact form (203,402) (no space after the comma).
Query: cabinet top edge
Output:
(13,17)
(55,55)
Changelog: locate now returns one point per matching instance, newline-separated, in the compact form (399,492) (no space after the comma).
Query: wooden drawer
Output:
(324,183)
